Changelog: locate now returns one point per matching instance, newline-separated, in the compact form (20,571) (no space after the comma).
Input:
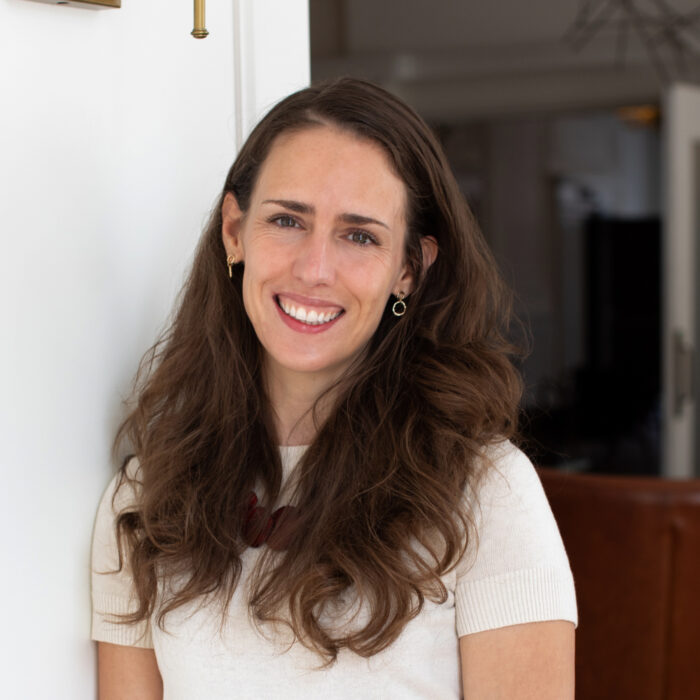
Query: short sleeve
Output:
(517,570)
(112,589)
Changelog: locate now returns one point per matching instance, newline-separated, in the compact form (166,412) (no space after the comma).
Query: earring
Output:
(399,307)
(230,262)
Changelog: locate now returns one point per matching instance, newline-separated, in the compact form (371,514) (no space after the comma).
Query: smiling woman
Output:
(325,500)
(323,242)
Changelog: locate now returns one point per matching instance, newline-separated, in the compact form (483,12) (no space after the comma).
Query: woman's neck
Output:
(292,398)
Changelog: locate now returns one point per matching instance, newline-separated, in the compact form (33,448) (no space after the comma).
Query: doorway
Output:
(570,205)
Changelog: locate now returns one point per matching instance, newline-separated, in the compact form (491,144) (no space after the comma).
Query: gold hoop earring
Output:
(399,306)
(230,262)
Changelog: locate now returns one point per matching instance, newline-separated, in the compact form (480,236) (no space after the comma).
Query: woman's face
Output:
(322,245)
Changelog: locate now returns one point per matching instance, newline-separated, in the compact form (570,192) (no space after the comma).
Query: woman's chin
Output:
(307,369)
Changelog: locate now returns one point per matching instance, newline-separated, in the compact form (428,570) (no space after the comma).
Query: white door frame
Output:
(681,260)
(265,68)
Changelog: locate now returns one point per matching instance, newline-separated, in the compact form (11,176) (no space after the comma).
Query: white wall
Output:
(116,131)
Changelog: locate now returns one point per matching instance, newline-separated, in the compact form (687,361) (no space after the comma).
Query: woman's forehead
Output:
(327,164)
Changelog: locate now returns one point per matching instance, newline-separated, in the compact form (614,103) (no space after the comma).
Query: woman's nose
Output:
(314,261)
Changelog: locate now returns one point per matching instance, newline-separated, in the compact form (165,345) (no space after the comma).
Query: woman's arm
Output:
(532,661)
(127,673)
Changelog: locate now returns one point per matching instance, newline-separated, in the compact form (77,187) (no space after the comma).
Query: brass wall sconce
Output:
(199,31)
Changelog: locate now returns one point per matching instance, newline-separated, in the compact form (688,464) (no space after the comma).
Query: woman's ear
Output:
(429,251)
(231,225)
(429,248)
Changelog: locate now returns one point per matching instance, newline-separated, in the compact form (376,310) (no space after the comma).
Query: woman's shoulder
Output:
(122,492)
(514,523)
(503,452)
(112,585)
(516,568)
(502,470)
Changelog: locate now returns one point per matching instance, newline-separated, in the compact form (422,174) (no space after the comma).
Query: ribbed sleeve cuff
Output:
(107,628)
(529,595)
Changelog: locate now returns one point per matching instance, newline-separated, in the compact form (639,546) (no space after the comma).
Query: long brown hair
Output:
(380,489)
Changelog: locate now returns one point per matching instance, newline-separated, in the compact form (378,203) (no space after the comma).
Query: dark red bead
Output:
(252,500)
(285,522)
(257,527)
(276,529)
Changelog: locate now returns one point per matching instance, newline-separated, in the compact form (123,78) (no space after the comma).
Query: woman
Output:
(324,501)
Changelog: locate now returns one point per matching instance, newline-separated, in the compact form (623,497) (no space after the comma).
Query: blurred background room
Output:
(573,127)
(558,119)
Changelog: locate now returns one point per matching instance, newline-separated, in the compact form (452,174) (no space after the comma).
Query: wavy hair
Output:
(381,488)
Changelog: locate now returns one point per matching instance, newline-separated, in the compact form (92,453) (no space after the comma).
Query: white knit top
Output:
(519,573)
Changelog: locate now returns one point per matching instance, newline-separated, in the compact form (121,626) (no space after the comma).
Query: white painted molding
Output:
(271,55)
(680,269)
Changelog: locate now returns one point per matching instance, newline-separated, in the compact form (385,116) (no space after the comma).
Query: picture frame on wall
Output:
(88,4)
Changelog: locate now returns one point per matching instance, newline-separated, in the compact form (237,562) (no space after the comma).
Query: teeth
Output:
(312,317)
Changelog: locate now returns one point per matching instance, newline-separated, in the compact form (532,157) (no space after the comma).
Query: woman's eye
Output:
(285,221)
(362,238)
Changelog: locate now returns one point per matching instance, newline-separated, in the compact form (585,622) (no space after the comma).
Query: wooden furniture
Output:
(634,548)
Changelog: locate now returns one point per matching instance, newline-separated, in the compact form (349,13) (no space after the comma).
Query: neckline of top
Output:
(290,456)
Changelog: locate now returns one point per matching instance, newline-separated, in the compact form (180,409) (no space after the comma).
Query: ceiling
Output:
(457,59)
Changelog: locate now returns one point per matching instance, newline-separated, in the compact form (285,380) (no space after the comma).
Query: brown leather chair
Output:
(634,548)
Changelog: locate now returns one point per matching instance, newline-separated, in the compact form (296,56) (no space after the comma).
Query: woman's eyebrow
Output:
(301,208)
(298,207)
(360,220)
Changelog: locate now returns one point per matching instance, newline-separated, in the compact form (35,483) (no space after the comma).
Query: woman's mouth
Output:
(309,316)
